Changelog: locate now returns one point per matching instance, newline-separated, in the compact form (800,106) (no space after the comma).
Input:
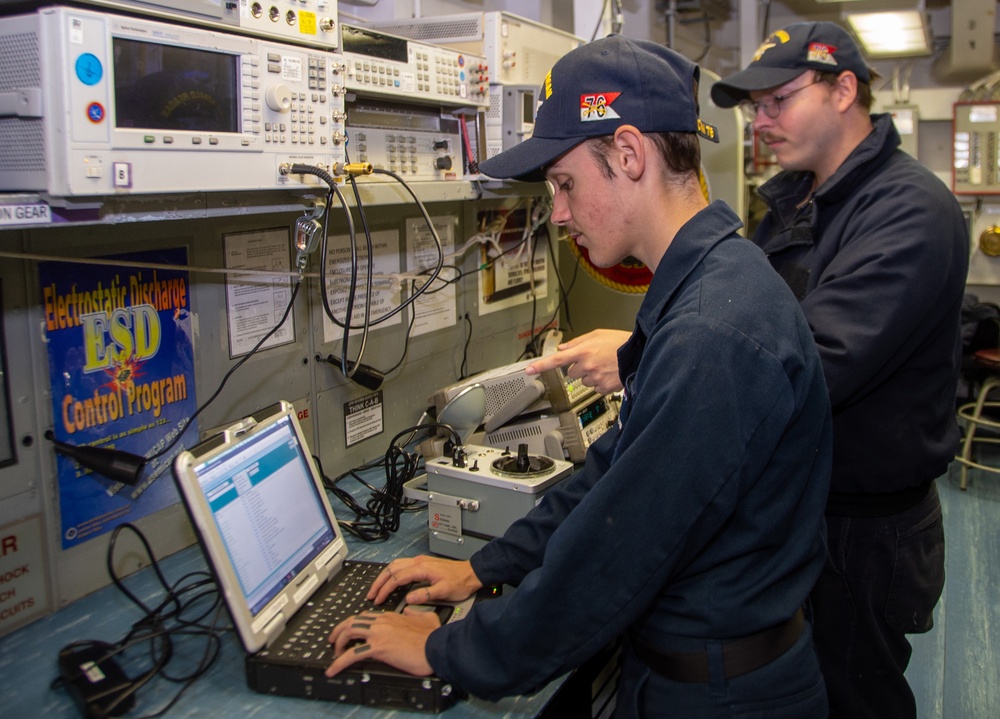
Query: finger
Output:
(353,632)
(350,629)
(422,595)
(424,613)
(385,576)
(556,359)
(398,578)
(352,656)
(569,344)
(609,385)
(339,629)
(397,573)
(576,371)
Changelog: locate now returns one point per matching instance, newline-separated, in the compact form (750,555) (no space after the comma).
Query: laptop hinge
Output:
(334,551)
(274,627)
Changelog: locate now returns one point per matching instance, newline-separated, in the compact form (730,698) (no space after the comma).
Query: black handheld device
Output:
(95,680)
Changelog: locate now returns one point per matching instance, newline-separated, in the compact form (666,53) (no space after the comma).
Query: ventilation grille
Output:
(22,148)
(453,30)
(494,115)
(499,394)
(509,436)
(19,60)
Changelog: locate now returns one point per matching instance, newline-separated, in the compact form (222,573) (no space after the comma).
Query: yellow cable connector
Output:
(358,168)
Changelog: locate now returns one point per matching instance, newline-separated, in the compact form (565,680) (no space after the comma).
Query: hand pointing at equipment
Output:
(591,358)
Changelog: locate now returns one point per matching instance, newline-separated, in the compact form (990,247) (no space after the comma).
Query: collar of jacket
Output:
(872,151)
(786,190)
(692,242)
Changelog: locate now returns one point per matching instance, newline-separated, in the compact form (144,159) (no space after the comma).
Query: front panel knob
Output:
(279,98)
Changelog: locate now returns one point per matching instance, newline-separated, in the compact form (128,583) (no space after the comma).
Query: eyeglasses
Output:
(773,108)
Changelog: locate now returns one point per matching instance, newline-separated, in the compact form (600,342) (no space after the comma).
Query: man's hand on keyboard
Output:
(447,580)
(396,639)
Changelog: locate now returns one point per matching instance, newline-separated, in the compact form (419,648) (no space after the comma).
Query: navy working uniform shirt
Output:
(882,288)
(700,515)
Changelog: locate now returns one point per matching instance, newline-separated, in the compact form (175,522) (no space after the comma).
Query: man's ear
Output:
(631,151)
(846,90)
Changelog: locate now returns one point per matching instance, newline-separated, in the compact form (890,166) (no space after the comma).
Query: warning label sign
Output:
(363,418)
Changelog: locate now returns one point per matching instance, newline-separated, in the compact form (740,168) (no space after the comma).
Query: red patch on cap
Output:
(597,106)
(821,53)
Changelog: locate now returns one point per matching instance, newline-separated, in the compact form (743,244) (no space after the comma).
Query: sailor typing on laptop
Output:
(694,529)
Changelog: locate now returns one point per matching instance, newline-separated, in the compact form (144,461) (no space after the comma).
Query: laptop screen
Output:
(267,510)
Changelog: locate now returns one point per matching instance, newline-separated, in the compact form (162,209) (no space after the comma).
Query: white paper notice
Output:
(385,293)
(436,308)
(512,278)
(255,303)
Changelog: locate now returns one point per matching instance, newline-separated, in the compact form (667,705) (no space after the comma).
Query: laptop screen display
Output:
(265,505)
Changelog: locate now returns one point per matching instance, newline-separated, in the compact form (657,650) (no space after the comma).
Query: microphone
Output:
(115,464)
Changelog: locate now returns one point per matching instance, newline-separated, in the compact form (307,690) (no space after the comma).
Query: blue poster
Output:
(121,363)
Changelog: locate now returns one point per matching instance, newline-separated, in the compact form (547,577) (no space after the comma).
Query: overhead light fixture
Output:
(899,33)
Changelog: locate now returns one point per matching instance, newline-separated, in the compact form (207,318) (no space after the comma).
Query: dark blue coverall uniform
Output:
(697,520)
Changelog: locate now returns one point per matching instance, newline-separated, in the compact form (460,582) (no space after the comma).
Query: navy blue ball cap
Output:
(595,89)
(787,53)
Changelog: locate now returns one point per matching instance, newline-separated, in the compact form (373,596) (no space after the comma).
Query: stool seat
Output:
(972,413)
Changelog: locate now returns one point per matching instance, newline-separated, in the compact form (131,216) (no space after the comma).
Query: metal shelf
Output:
(119,209)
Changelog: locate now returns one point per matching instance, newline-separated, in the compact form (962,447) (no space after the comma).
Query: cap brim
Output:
(733,90)
(527,160)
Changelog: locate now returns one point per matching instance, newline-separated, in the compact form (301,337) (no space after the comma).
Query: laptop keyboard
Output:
(307,637)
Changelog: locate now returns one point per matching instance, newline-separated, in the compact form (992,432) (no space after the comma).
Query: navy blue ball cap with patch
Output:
(786,54)
(595,89)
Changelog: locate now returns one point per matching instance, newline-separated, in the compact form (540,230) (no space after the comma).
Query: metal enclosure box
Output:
(467,506)
(94,104)
(518,51)
(975,168)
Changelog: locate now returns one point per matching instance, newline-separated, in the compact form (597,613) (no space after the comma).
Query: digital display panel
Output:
(161,87)
(373,44)
(592,412)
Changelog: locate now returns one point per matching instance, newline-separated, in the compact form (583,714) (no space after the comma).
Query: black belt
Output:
(739,656)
